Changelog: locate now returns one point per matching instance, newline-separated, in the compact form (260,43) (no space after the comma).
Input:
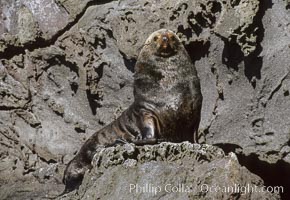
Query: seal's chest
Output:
(169,78)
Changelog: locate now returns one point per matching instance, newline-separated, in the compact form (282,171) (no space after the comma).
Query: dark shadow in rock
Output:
(94,97)
(197,49)
(235,3)
(253,66)
(187,32)
(232,55)
(200,18)
(227,147)
(272,174)
(129,62)
(60,59)
(79,130)
(100,42)
(12,50)
(74,87)
(93,101)
(216,7)
(253,62)
(197,28)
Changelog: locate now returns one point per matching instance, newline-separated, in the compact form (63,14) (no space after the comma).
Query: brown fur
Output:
(167,104)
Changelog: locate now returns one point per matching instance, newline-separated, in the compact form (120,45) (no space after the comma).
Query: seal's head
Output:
(163,43)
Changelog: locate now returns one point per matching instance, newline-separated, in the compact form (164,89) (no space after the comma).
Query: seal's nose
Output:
(164,38)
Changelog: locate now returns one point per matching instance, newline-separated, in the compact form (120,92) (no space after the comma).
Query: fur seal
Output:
(167,104)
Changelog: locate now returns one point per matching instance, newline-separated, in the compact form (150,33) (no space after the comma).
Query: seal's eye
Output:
(155,38)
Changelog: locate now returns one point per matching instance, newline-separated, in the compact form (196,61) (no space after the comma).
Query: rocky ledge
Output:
(168,171)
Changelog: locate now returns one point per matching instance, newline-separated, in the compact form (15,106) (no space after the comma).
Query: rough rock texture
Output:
(66,69)
(168,171)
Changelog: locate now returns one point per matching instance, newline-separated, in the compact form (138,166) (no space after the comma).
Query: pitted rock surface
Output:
(66,70)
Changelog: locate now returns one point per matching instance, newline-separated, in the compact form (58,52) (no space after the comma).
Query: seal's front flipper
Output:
(146,141)
(149,125)
(116,142)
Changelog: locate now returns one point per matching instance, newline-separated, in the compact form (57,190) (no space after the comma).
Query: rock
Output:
(237,23)
(66,70)
(168,171)
(13,93)
(24,23)
(252,115)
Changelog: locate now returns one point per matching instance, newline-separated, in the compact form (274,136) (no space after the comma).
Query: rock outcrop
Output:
(169,171)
